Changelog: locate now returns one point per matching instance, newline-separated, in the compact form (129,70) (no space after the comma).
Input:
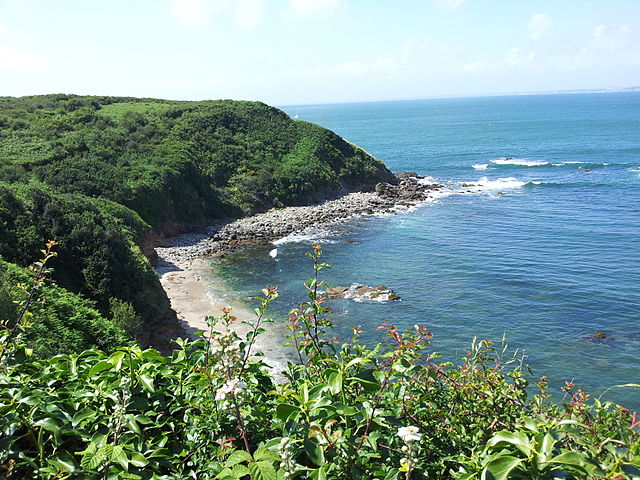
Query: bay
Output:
(536,239)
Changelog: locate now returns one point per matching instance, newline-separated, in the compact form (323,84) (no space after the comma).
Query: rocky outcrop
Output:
(363,293)
(278,223)
(410,187)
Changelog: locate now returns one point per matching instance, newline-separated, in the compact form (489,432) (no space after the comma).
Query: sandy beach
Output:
(195,293)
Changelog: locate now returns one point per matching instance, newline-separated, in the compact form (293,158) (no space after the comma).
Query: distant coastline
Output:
(634,89)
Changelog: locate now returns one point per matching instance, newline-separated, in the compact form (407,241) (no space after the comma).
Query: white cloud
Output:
(612,34)
(516,58)
(309,8)
(200,13)
(540,26)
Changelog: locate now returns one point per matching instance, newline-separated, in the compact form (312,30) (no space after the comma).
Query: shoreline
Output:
(182,261)
(195,293)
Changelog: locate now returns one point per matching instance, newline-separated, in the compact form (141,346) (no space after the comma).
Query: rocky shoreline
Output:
(263,228)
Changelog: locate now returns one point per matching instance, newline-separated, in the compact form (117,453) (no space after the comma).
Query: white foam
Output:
(520,162)
(485,184)
(634,169)
(481,166)
(273,253)
(427,180)
(308,235)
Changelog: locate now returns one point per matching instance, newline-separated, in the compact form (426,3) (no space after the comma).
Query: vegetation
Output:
(211,411)
(102,175)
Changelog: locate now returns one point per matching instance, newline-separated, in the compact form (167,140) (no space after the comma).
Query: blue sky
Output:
(287,52)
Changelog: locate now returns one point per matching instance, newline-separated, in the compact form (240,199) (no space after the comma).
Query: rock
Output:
(336,292)
(600,335)
(360,293)
(273,224)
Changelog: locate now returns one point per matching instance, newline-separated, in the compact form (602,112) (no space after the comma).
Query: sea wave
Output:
(519,162)
(428,180)
(582,165)
(486,184)
(480,166)
(307,235)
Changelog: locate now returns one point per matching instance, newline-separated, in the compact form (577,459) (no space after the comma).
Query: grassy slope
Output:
(98,174)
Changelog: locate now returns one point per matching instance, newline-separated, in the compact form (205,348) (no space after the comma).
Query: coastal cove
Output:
(521,241)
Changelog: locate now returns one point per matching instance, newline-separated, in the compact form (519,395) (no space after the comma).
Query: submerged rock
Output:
(601,336)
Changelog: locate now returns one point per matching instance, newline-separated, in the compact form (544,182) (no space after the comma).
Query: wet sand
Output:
(195,293)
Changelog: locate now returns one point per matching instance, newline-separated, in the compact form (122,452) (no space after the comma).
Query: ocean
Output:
(535,237)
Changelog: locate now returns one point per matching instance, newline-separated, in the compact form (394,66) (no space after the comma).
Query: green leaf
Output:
(262,470)
(546,448)
(499,468)
(82,415)
(238,456)
(48,424)
(265,454)
(285,410)
(520,440)
(569,458)
(132,424)
(241,470)
(91,459)
(119,455)
(356,361)
(64,461)
(138,460)
(147,382)
(101,366)
(345,410)
(143,419)
(367,380)
(314,451)
(116,359)
(226,474)
(335,383)
(319,474)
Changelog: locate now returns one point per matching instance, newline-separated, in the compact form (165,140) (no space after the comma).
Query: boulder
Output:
(336,292)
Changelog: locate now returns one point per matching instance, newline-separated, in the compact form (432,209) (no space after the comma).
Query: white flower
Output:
(231,386)
(409,434)
(284,442)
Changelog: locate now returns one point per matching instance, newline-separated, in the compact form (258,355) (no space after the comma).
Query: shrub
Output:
(211,411)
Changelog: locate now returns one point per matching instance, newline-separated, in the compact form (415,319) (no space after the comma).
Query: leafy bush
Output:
(59,321)
(97,255)
(211,411)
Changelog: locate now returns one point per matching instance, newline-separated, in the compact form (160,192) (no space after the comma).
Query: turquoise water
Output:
(545,248)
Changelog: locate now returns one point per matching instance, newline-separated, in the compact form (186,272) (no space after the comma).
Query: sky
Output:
(288,52)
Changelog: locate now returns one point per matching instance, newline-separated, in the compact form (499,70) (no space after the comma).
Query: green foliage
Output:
(174,161)
(97,255)
(97,174)
(211,411)
(125,317)
(60,321)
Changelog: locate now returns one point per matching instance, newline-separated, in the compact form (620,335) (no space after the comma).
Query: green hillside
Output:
(103,175)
